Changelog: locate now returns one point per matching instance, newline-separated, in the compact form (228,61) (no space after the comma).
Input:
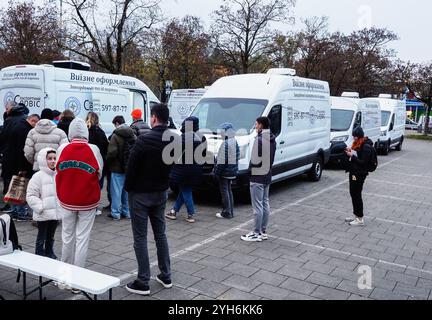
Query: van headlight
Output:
(383,133)
(341,139)
(243,151)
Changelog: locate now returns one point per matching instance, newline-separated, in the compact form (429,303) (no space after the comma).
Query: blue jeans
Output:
(145,206)
(19,210)
(185,197)
(261,205)
(119,196)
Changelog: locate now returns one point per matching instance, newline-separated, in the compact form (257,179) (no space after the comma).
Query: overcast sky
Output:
(409,19)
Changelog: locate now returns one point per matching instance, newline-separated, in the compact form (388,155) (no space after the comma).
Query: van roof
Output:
(262,86)
(344,103)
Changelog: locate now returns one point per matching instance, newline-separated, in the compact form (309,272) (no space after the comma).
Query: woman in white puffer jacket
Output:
(44,135)
(41,197)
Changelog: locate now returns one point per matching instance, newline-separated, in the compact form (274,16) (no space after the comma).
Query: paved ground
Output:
(311,253)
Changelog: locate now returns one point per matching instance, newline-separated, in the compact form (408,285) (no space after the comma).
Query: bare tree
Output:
(241,29)
(28,34)
(102,31)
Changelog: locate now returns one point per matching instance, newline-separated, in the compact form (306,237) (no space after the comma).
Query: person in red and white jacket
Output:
(78,170)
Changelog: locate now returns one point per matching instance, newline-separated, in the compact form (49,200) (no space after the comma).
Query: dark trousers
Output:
(145,206)
(227,196)
(108,176)
(356,187)
(45,238)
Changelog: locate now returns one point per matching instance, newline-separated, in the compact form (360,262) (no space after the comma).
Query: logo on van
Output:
(183,110)
(74,105)
(9,97)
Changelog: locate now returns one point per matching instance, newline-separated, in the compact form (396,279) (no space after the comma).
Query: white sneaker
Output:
(264,235)
(349,219)
(252,237)
(357,223)
(98,212)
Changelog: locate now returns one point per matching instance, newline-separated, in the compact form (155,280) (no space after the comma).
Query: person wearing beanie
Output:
(78,170)
(226,168)
(138,125)
(359,155)
(47,113)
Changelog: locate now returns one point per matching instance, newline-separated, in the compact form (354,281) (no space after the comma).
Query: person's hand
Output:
(22,173)
(349,152)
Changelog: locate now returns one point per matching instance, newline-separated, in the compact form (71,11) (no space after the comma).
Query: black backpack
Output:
(373,162)
(128,145)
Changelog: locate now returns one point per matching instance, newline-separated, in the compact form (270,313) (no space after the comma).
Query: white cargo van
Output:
(182,102)
(349,113)
(299,110)
(60,88)
(393,118)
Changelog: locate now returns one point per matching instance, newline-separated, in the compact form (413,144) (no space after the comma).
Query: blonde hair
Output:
(92,119)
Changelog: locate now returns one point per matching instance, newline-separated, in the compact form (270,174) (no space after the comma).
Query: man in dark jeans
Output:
(147,183)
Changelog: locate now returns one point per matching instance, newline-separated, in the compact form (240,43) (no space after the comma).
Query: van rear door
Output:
(23,85)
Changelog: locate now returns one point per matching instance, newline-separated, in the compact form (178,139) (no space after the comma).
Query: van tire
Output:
(386,149)
(399,146)
(315,173)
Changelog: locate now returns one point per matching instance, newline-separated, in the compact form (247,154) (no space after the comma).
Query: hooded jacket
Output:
(263,154)
(41,191)
(98,137)
(64,124)
(12,139)
(359,164)
(189,174)
(116,148)
(78,170)
(44,135)
(228,154)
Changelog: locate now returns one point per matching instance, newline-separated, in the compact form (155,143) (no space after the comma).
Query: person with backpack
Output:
(41,197)
(187,171)
(362,160)
(122,140)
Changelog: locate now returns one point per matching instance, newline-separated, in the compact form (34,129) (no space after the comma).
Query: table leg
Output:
(40,288)
(95,297)
(110,294)
(25,285)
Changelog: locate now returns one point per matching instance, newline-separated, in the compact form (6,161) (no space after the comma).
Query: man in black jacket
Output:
(263,154)
(147,183)
(13,137)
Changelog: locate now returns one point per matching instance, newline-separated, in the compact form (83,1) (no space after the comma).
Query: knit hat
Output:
(78,129)
(136,114)
(358,132)
(47,114)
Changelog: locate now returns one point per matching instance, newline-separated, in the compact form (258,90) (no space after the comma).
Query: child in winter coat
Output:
(41,197)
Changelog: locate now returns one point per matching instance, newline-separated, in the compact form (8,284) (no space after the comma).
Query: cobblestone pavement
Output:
(311,254)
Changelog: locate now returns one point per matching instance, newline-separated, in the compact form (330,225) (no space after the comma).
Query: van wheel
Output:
(399,146)
(316,172)
(386,149)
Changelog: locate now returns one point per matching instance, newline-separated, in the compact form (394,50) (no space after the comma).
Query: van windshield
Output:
(241,113)
(385,117)
(341,119)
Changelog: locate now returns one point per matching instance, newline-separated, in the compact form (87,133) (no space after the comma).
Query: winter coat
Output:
(140,127)
(78,170)
(64,124)
(116,148)
(189,174)
(44,135)
(146,171)
(263,154)
(12,139)
(41,192)
(228,155)
(359,164)
(98,137)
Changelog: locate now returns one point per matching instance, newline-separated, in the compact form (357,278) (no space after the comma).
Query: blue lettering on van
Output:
(74,105)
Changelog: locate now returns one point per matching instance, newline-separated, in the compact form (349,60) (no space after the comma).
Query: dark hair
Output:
(47,114)
(51,151)
(358,132)
(56,113)
(161,112)
(119,120)
(264,121)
